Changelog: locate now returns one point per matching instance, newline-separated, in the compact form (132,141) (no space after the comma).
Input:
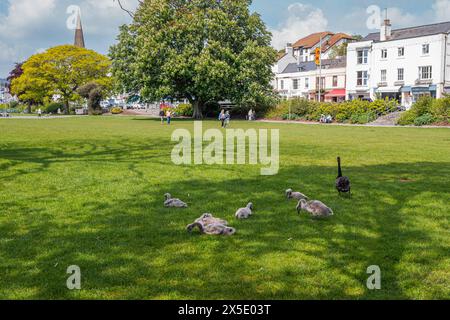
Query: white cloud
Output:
(7,53)
(102,17)
(27,26)
(24,16)
(441,10)
(401,19)
(302,20)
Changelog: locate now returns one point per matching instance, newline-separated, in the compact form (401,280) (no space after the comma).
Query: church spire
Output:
(79,37)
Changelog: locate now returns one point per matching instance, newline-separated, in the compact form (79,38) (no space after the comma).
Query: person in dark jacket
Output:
(161,115)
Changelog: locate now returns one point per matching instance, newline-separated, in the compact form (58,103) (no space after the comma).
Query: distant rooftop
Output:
(311,40)
(413,32)
(311,65)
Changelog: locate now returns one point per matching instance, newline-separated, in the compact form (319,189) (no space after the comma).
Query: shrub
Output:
(53,107)
(355,111)
(420,113)
(440,109)
(299,106)
(363,118)
(279,111)
(341,117)
(116,110)
(406,119)
(185,110)
(424,120)
(293,116)
(14,105)
(422,106)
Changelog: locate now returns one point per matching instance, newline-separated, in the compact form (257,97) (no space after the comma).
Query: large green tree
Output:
(202,50)
(61,71)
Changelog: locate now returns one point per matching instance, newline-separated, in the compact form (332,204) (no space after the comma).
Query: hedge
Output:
(427,111)
(355,111)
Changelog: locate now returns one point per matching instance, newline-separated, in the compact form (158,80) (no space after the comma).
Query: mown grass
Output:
(89,192)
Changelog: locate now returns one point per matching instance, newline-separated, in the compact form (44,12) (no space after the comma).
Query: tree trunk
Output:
(66,107)
(91,109)
(29,108)
(198,114)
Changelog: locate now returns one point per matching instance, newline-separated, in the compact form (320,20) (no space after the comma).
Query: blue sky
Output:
(30,26)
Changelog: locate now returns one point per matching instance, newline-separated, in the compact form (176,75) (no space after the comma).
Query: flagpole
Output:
(319,96)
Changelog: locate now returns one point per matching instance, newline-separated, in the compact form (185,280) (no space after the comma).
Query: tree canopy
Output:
(202,50)
(15,73)
(61,71)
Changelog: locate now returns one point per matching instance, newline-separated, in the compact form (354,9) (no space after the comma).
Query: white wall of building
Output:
(307,82)
(447,65)
(353,67)
(412,59)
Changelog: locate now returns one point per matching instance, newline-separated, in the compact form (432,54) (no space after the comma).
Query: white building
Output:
(403,64)
(296,74)
(5,97)
(302,80)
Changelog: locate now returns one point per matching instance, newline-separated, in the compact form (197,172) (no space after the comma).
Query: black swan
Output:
(342,183)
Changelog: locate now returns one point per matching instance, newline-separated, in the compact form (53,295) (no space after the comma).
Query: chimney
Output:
(386,29)
(290,49)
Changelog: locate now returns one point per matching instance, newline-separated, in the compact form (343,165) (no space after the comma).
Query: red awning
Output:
(336,93)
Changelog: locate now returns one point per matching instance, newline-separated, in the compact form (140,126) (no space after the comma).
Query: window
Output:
(401,74)
(362,56)
(401,52)
(282,84)
(335,81)
(295,84)
(322,83)
(425,49)
(362,78)
(383,75)
(306,83)
(384,54)
(425,73)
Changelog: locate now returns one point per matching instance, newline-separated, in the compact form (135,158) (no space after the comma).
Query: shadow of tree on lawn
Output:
(133,248)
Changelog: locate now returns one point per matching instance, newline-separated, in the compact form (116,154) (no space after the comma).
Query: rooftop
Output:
(335,39)
(311,40)
(413,32)
(311,65)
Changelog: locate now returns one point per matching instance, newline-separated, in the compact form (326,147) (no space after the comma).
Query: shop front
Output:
(410,94)
(362,95)
(336,95)
(314,95)
(391,93)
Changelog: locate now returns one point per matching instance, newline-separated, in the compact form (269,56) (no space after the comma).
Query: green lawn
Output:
(89,192)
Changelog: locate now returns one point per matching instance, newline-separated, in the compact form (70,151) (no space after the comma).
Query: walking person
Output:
(39,112)
(161,115)
(222,118)
(169,116)
(227,119)
(250,115)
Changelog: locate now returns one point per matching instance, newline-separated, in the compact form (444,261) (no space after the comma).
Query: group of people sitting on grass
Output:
(326,119)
